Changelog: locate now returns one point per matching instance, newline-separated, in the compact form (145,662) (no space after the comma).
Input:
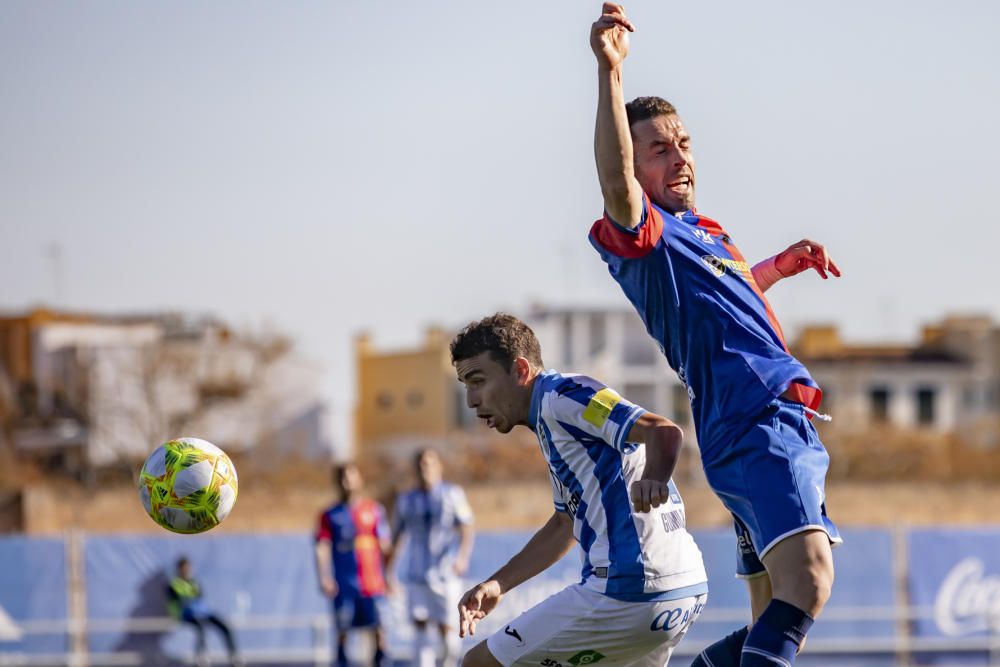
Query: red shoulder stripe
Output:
(626,244)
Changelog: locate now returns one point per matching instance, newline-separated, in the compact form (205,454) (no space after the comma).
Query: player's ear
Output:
(522,370)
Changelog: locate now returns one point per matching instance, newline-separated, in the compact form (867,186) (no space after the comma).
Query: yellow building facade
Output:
(406,399)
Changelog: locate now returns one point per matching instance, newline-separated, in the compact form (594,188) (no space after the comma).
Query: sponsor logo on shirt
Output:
(673,520)
(587,657)
(718,266)
(676,618)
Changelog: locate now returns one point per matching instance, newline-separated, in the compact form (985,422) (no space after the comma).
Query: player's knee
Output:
(808,589)
(820,577)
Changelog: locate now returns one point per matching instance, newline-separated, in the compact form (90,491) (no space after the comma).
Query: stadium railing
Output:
(901,647)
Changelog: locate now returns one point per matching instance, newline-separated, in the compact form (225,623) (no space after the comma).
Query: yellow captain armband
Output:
(600,406)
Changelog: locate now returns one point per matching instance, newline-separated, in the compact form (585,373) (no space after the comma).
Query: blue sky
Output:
(331,167)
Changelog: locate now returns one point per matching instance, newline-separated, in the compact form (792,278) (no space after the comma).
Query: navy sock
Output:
(776,636)
(725,652)
(342,655)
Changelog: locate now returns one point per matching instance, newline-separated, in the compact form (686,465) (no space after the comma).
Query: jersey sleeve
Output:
(612,240)
(463,511)
(584,404)
(323,529)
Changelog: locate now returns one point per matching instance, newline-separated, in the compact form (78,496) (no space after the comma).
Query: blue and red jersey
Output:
(698,299)
(356,532)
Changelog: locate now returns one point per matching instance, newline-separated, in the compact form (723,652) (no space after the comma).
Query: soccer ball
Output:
(188,485)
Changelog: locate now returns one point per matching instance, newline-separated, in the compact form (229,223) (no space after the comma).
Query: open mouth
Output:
(681,186)
(489,419)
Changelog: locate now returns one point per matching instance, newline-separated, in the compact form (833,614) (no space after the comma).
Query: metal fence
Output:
(904,649)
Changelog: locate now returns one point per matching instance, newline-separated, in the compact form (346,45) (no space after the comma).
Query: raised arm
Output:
(663,440)
(612,139)
(547,546)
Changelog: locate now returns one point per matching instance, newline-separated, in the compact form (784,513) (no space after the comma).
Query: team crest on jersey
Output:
(715,264)
(703,236)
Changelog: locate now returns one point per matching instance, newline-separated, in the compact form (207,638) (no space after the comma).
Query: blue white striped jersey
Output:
(582,428)
(431,520)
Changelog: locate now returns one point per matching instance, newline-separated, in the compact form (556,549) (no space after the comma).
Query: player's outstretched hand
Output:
(649,493)
(609,36)
(476,604)
(804,255)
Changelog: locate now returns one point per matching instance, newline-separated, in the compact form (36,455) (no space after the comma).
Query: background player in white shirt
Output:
(610,463)
(437,520)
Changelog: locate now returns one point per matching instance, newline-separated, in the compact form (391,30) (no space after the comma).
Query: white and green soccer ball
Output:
(188,485)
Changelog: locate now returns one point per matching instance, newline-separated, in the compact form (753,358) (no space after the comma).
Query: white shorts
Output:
(578,626)
(434,604)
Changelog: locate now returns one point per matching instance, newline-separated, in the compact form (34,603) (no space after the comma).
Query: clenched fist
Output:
(609,36)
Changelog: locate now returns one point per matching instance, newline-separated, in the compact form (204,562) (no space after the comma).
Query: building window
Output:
(383,400)
(925,406)
(879,401)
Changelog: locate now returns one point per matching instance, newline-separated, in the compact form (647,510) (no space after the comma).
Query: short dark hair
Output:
(340,470)
(644,108)
(424,451)
(182,561)
(502,335)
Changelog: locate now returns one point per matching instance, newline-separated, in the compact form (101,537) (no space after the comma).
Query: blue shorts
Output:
(772,478)
(355,611)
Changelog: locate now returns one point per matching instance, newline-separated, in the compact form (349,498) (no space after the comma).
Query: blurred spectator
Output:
(185,604)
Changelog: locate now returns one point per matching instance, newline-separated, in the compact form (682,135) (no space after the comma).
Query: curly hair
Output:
(644,108)
(504,336)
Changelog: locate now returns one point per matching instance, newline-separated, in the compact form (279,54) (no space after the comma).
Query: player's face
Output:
(350,480)
(664,165)
(494,393)
(429,468)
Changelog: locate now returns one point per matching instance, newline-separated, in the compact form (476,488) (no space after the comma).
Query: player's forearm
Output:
(766,273)
(390,554)
(467,538)
(324,564)
(663,448)
(546,547)
(613,151)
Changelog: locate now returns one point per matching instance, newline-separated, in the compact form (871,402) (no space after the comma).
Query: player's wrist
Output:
(605,68)
(499,583)
(766,273)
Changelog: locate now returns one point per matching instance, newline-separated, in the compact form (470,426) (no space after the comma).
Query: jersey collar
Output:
(537,392)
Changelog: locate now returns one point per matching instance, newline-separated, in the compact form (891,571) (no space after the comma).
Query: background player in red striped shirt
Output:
(352,539)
